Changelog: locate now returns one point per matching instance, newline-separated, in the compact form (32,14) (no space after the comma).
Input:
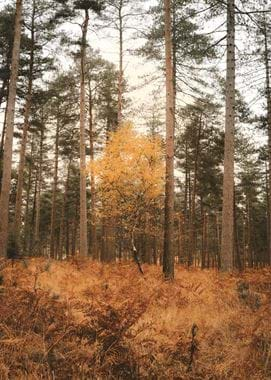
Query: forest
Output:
(135,201)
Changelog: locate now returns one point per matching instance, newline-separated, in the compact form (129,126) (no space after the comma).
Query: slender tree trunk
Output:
(249,247)
(186,204)
(168,256)
(120,79)
(7,164)
(30,243)
(174,59)
(83,186)
(227,243)
(55,184)
(180,238)
(268,99)
(268,221)
(67,246)
(238,262)
(3,87)
(74,232)
(203,248)
(28,191)
(93,233)
(62,221)
(2,148)
(27,110)
(4,126)
(192,222)
(207,246)
(218,238)
(37,249)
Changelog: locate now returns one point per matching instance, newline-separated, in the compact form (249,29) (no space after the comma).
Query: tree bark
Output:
(7,164)
(268,209)
(120,79)
(268,99)
(93,233)
(203,248)
(238,262)
(83,192)
(168,256)
(37,249)
(62,221)
(227,242)
(55,184)
(218,239)
(27,110)
(192,221)
(4,124)
(2,148)
(28,191)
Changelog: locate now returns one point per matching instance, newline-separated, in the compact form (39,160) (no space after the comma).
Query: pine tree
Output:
(168,257)
(7,164)
(227,244)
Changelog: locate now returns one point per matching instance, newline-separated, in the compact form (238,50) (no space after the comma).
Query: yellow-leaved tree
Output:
(130,180)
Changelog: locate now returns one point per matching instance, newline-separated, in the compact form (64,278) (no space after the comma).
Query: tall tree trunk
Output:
(28,191)
(268,209)
(168,256)
(268,99)
(62,221)
(67,245)
(227,242)
(55,184)
(2,148)
(3,87)
(180,238)
(7,164)
(93,233)
(120,79)
(27,110)
(192,221)
(83,186)
(74,231)
(249,248)
(218,239)
(238,261)
(204,238)
(37,247)
(30,243)
(4,124)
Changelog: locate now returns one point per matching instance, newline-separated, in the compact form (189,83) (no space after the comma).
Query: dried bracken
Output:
(85,320)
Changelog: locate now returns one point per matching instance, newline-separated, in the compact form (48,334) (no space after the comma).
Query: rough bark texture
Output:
(27,110)
(192,221)
(3,131)
(227,241)
(7,164)
(83,193)
(28,191)
(120,79)
(63,214)
(93,233)
(37,248)
(168,257)
(55,183)
(268,99)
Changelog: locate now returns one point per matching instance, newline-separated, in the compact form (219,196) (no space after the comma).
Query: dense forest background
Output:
(89,133)
(135,204)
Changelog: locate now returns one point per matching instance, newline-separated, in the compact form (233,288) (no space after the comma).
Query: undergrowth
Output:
(84,320)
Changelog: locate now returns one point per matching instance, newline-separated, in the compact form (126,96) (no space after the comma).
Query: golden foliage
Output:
(130,175)
(81,319)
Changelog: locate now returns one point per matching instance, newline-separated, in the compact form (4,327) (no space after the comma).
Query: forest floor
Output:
(86,320)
